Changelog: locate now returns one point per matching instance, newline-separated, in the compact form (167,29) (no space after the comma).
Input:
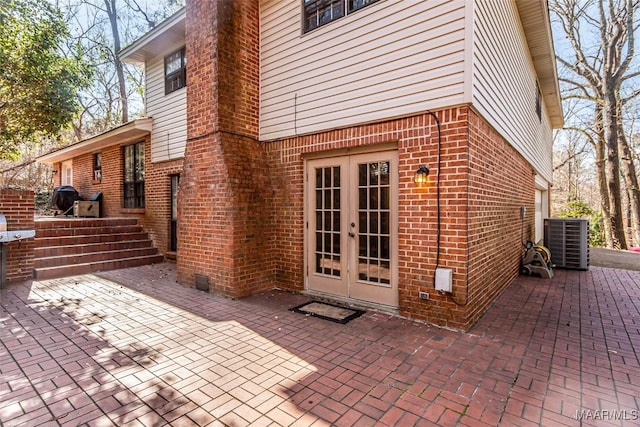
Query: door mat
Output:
(326,311)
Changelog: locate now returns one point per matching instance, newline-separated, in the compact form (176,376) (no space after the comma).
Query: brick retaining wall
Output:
(18,208)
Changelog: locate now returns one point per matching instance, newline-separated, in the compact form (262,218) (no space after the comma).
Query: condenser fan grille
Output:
(568,241)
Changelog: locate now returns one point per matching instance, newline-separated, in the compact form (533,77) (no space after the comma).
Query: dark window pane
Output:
(362,222)
(362,198)
(139,162)
(373,173)
(384,222)
(373,223)
(362,175)
(134,175)
(336,176)
(128,164)
(384,198)
(175,76)
(336,199)
(318,178)
(384,248)
(362,245)
(318,199)
(373,247)
(358,4)
(336,243)
(384,173)
(336,221)
(373,198)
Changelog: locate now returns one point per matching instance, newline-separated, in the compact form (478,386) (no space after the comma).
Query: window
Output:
(320,12)
(134,175)
(175,71)
(97,167)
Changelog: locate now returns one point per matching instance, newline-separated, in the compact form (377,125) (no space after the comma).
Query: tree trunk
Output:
(601,173)
(610,127)
(633,189)
(112,12)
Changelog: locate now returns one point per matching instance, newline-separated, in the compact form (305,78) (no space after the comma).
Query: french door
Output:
(352,244)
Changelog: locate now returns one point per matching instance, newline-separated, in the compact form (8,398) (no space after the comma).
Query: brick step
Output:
(43,242)
(63,222)
(94,257)
(94,267)
(82,231)
(86,248)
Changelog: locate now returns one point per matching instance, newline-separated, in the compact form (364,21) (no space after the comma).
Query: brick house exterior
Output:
(249,215)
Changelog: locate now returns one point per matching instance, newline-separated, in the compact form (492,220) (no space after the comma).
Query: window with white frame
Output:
(320,12)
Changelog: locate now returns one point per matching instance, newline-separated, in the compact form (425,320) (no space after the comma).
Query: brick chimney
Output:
(224,188)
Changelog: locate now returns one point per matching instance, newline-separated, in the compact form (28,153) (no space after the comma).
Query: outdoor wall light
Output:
(422,175)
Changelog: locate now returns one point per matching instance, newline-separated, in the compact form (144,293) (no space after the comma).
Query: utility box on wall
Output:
(568,241)
(444,279)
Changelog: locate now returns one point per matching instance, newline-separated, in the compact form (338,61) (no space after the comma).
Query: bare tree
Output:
(104,27)
(600,65)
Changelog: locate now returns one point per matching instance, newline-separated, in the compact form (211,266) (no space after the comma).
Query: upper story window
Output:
(175,75)
(320,12)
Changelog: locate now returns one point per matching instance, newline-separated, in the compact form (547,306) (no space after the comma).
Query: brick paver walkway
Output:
(147,351)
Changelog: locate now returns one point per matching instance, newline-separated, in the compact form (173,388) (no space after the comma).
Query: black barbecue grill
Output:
(63,198)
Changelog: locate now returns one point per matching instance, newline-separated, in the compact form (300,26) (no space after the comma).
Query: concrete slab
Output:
(611,258)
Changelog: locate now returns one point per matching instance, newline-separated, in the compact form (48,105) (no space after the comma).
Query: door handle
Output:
(352,234)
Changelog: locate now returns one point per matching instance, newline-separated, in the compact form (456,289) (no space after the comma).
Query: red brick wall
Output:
(111,183)
(18,208)
(501,182)
(157,213)
(156,216)
(57,176)
(483,184)
(224,194)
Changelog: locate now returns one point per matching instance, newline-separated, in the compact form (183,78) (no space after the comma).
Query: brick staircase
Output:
(72,246)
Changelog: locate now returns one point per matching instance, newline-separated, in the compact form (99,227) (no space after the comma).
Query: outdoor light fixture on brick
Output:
(422,175)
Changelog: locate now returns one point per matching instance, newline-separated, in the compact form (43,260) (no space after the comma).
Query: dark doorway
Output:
(175,185)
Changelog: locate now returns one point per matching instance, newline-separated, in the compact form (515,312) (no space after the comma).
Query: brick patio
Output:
(132,347)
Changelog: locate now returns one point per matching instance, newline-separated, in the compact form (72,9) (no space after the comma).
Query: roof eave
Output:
(153,43)
(536,23)
(128,132)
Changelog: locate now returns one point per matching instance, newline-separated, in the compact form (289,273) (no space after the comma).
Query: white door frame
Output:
(66,169)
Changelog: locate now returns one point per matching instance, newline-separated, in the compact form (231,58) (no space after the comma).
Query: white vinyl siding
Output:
(389,59)
(169,112)
(504,83)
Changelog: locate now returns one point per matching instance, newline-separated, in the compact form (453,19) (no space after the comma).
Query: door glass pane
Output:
(128,164)
(328,218)
(362,198)
(374,222)
(362,175)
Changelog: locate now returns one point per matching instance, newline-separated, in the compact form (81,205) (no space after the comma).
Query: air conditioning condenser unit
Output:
(568,241)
